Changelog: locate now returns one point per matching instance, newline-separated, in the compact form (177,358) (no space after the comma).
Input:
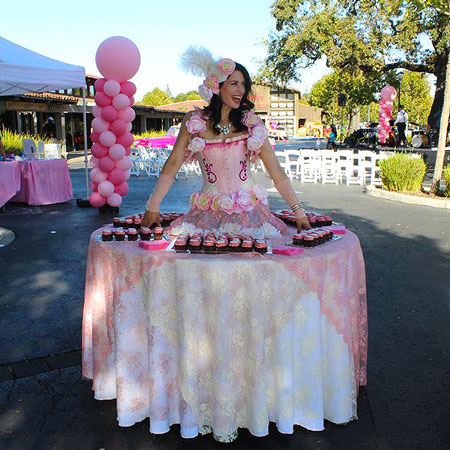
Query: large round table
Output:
(221,342)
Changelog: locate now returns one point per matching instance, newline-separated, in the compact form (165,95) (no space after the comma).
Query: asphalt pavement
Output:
(45,403)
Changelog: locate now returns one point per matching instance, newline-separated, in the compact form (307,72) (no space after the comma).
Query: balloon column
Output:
(118,60)
(388,93)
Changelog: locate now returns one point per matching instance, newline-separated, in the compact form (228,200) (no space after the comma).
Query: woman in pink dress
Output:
(225,137)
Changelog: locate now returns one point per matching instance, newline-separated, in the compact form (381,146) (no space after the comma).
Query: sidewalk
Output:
(45,404)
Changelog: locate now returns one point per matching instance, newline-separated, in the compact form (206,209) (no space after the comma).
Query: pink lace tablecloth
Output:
(217,343)
(9,180)
(44,182)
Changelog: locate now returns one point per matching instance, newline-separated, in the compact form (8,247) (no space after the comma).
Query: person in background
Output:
(49,129)
(401,121)
(332,138)
(2,148)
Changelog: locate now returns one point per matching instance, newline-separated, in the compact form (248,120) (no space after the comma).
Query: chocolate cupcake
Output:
(181,244)
(119,234)
(222,245)
(195,245)
(297,239)
(209,245)
(158,232)
(308,240)
(107,235)
(132,234)
(261,246)
(116,222)
(128,223)
(145,233)
(137,223)
(234,245)
(247,245)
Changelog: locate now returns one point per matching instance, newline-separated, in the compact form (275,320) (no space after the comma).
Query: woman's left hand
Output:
(302,220)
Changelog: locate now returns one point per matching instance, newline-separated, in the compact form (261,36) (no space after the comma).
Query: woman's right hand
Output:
(151,217)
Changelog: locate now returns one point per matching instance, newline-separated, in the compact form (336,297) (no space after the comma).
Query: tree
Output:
(374,36)
(191,95)
(168,91)
(156,97)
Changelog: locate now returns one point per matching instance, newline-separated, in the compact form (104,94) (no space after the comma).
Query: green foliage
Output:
(446,177)
(191,95)
(12,141)
(402,173)
(156,97)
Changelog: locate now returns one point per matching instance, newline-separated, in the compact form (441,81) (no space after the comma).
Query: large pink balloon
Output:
(99,84)
(126,139)
(94,186)
(106,164)
(97,111)
(128,151)
(109,113)
(102,99)
(127,114)
(118,58)
(118,127)
(114,199)
(128,88)
(95,136)
(105,188)
(99,151)
(125,163)
(94,161)
(122,188)
(116,176)
(96,200)
(129,127)
(121,101)
(388,93)
(127,174)
(107,138)
(131,101)
(97,176)
(117,152)
(111,88)
(100,125)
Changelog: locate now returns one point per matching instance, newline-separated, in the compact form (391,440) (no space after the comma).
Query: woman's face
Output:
(233,89)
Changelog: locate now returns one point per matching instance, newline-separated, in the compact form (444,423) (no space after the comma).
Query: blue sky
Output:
(161,30)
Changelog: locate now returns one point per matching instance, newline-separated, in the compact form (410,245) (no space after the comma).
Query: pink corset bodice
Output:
(225,166)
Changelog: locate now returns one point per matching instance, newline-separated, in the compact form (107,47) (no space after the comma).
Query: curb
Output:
(403,198)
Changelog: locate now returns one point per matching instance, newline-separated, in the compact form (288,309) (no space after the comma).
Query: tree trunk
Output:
(442,133)
(436,107)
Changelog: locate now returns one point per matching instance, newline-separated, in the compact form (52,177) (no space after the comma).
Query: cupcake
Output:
(122,223)
(313,222)
(195,245)
(107,235)
(137,223)
(247,245)
(119,234)
(158,232)
(209,245)
(329,221)
(116,222)
(261,246)
(128,223)
(297,239)
(234,245)
(132,234)
(166,220)
(221,245)
(181,244)
(145,233)
(308,240)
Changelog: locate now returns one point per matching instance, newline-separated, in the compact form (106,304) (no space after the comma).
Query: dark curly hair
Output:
(214,109)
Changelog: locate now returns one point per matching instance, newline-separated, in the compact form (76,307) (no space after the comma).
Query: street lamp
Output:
(400,78)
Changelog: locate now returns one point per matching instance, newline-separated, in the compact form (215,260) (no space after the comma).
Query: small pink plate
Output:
(154,245)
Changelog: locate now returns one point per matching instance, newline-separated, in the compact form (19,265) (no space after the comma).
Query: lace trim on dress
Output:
(232,139)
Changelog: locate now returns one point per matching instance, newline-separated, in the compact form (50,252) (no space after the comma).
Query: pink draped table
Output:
(44,182)
(9,180)
(221,342)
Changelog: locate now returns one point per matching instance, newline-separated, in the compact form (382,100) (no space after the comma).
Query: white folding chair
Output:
(328,169)
(284,162)
(135,162)
(354,170)
(366,160)
(344,162)
(308,166)
(293,159)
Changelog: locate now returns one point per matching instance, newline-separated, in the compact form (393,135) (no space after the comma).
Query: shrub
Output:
(12,141)
(402,173)
(446,177)
(150,133)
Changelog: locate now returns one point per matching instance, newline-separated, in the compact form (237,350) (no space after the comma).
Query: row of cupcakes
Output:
(315,220)
(135,220)
(132,234)
(312,238)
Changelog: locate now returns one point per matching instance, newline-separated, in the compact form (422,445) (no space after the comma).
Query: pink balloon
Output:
(97,176)
(131,101)
(97,111)
(388,92)
(126,139)
(118,127)
(127,114)
(96,200)
(114,199)
(106,164)
(118,58)
(94,161)
(95,136)
(111,88)
(99,151)
(105,188)
(129,127)
(109,113)
(128,88)
(116,176)
(128,151)
(100,125)
(122,188)
(127,174)
(99,84)
(121,101)
(102,99)
(107,138)
(94,186)
(124,164)
(117,152)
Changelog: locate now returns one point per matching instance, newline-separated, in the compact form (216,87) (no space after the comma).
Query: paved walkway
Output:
(44,403)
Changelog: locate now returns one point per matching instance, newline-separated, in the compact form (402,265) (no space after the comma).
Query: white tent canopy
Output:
(22,70)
